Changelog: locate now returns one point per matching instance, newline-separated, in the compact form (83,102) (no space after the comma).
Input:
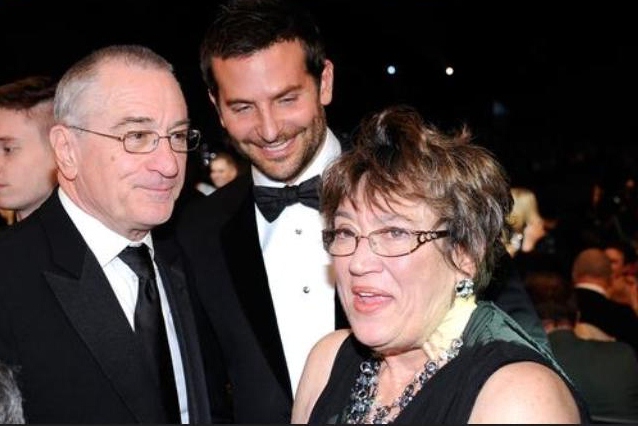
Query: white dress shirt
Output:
(300,276)
(106,245)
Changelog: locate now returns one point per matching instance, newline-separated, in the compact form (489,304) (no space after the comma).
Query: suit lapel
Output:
(240,242)
(86,297)
(174,282)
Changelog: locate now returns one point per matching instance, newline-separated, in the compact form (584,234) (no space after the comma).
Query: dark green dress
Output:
(491,340)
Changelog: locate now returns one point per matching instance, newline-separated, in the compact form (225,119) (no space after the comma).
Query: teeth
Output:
(275,146)
(366,294)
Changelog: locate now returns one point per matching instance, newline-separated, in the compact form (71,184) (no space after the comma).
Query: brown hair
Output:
(33,96)
(397,155)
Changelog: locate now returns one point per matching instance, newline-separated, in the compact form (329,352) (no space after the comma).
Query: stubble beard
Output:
(287,169)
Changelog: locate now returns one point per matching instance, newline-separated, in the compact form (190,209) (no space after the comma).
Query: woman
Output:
(415,217)
(525,221)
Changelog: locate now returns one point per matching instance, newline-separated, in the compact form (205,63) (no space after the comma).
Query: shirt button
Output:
(298,231)
(306,289)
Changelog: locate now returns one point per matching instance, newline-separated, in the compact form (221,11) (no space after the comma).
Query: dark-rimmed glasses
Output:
(387,242)
(145,141)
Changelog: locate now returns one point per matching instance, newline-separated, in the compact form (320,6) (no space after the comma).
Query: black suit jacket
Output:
(62,325)
(616,319)
(235,308)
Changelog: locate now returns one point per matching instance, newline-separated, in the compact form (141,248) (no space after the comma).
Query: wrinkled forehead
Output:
(136,91)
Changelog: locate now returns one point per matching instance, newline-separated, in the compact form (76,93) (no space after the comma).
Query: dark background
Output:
(548,86)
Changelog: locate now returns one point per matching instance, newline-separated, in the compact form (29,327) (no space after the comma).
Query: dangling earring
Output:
(465,288)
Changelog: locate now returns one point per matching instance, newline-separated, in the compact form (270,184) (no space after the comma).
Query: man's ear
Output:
(327,79)
(63,142)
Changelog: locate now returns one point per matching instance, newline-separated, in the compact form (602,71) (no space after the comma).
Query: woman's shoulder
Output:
(511,381)
(323,354)
(332,340)
(525,390)
(316,373)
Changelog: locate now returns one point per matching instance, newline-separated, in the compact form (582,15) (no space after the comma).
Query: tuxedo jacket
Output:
(63,327)
(616,319)
(244,353)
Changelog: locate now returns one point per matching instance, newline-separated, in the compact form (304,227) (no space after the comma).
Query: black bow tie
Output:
(272,201)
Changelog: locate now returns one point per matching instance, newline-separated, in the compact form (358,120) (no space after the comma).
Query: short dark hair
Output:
(552,296)
(243,27)
(27,92)
(222,155)
(80,77)
(32,96)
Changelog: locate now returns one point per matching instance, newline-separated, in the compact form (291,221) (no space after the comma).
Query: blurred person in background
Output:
(7,217)
(592,281)
(27,166)
(624,288)
(526,221)
(606,372)
(222,169)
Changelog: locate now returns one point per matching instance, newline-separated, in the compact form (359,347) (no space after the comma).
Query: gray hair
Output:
(79,78)
(10,397)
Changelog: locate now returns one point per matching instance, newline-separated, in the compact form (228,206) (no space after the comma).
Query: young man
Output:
(262,282)
(97,337)
(222,169)
(27,166)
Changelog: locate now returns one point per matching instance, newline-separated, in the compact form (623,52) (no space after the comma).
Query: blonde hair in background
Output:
(524,210)
(525,220)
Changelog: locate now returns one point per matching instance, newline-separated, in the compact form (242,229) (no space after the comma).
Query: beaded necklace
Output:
(363,409)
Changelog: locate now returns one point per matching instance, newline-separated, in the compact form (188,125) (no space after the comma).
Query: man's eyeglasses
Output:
(145,141)
(387,242)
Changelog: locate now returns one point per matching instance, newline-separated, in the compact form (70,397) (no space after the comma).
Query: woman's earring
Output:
(465,288)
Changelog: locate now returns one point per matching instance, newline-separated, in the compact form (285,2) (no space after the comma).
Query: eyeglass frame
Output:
(156,142)
(328,237)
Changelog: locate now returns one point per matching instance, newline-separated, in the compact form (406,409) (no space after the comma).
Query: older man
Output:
(93,311)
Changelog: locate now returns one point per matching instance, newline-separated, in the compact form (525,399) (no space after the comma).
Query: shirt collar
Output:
(105,243)
(592,287)
(330,149)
